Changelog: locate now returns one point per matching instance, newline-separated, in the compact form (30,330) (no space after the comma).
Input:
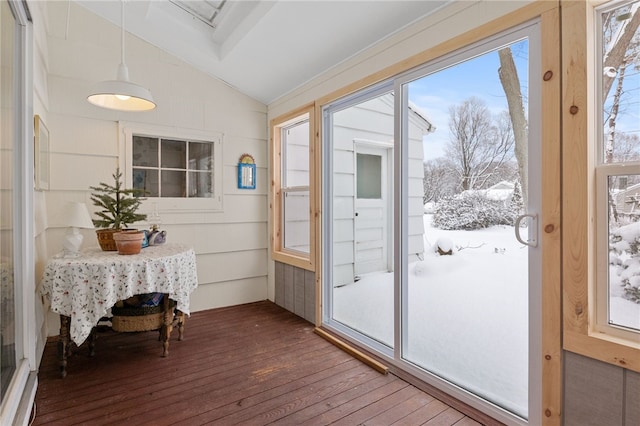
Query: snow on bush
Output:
(471,210)
(625,259)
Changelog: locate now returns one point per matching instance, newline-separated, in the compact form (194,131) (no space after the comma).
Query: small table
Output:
(83,289)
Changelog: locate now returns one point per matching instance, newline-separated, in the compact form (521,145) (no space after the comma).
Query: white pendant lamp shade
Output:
(121,94)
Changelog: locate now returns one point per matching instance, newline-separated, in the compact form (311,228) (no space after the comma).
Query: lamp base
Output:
(72,242)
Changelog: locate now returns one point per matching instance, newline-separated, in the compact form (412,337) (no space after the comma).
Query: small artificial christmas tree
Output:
(118,205)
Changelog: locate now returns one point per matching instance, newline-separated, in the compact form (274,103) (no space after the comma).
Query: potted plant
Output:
(118,208)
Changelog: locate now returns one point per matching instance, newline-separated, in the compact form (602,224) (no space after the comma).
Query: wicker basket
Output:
(140,318)
(105,239)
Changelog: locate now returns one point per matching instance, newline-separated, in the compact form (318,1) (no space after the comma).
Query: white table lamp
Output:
(75,216)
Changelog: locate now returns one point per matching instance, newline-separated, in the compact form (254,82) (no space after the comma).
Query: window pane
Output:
(620,86)
(296,221)
(201,184)
(173,184)
(361,231)
(470,267)
(145,151)
(369,169)
(200,156)
(295,141)
(624,251)
(147,181)
(174,154)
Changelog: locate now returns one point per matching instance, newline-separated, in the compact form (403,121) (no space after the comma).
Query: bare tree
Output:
(627,147)
(508,74)
(438,180)
(478,145)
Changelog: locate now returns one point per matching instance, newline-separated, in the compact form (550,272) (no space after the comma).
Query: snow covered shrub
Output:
(444,246)
(625,259)
(516,204)
(471,210)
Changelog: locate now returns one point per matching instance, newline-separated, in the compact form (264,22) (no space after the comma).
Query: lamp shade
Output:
(76,215)
(121,94)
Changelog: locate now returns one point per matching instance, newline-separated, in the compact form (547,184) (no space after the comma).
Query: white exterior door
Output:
(371,215)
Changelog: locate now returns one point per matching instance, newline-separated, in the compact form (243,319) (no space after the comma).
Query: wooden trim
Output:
(551,356)
(277,252)
(353,351)
(604,348)
(575,162)
(293,260)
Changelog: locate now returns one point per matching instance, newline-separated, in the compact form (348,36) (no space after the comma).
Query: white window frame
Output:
(600,289)
(174,204)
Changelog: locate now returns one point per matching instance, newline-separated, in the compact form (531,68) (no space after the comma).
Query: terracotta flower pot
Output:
(129,242)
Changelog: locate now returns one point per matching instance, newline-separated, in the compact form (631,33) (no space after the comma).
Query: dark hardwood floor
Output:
(252,364)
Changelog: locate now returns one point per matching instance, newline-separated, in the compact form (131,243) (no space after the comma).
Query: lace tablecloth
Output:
(86,287)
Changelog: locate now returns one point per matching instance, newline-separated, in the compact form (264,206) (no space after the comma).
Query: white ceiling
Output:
(265,48)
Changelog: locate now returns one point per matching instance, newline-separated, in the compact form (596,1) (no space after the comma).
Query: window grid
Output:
(190,169)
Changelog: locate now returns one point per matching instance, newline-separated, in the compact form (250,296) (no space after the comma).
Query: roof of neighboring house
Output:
(416,113)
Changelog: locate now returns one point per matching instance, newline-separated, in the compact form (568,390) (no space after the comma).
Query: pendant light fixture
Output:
(121,94)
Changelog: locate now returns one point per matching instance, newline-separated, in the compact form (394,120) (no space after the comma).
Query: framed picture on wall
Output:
(41,154)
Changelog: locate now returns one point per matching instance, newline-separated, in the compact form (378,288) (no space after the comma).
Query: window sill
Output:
(606,348)
(298,261)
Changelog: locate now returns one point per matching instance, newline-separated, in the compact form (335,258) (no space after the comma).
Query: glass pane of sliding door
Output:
(466,279)
(360,193)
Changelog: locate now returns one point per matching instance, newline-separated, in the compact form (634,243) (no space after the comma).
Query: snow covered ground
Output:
(467,313)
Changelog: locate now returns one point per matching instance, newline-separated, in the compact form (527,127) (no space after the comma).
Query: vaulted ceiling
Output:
(264,48)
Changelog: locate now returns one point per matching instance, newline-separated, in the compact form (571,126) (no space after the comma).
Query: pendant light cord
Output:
(122,31)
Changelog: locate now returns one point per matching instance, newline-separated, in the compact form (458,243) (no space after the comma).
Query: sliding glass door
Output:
(448,289)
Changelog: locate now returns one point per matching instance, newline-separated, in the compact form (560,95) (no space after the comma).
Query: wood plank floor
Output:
(251,364)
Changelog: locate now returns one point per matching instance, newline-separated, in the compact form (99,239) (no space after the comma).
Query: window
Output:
(175,165)
(292,198)
(295,186)
(618,171)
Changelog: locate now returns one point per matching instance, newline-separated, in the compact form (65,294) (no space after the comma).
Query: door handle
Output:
(532,241)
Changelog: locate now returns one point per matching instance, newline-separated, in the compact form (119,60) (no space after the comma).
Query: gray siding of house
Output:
(295,290)
(599,394)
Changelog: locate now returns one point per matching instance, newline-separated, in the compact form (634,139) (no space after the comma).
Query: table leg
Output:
(64,344)
(92,341)
(181,320)
(168,324)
